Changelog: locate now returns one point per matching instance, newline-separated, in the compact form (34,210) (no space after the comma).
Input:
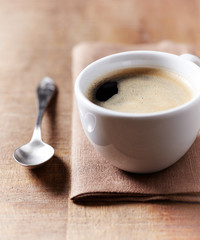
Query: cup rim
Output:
(104,111)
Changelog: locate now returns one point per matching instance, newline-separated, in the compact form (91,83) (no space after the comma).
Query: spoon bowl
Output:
(33,154)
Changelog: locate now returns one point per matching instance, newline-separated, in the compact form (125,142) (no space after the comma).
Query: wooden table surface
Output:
(36,38)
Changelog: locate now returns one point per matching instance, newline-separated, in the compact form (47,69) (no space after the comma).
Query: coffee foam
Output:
(143,90)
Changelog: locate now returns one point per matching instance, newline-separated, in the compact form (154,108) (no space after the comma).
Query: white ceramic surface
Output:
(141,143)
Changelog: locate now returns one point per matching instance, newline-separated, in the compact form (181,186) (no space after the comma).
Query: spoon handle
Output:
(45,92)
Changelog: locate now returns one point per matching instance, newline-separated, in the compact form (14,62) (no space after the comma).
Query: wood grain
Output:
(36,38)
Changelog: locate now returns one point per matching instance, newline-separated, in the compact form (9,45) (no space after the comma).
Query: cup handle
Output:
(191,58)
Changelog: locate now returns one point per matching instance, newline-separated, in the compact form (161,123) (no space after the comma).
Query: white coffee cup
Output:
(141,143)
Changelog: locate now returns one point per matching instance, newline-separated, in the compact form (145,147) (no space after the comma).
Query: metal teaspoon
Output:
(36,152)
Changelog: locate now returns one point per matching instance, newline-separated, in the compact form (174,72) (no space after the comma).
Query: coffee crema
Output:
(139,90)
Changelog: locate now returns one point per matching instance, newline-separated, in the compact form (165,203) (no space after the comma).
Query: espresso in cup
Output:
(139,90)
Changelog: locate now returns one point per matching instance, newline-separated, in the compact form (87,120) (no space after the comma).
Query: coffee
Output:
(139,90)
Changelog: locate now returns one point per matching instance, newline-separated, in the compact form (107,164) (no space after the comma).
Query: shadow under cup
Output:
(141,143)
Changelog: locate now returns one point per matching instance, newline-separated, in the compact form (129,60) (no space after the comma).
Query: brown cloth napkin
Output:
(95,179)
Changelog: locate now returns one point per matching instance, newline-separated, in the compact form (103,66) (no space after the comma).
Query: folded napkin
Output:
(95,179)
